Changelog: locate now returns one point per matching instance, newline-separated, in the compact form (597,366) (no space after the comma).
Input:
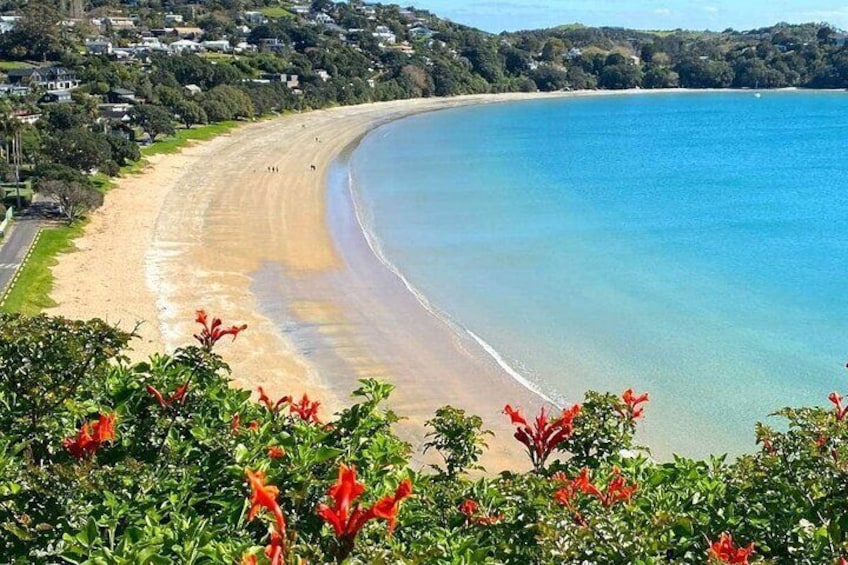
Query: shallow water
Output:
(690,245)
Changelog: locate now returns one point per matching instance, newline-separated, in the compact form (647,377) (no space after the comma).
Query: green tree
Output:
(78,148)
(190,113)
(74,199)
(37,35)
(154,120)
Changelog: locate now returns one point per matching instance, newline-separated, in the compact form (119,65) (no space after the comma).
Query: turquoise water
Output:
(690,245)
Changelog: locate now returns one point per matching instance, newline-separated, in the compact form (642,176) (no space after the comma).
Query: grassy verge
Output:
(31,293)
(183,137)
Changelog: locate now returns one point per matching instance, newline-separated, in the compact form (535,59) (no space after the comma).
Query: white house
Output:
(255,18)
(323,18)
(120,23)
(322,74)
(421,33)
(8,23)
(193,89)
(172,19)
(384,34)
(186,46)
(98,47)
(219,45)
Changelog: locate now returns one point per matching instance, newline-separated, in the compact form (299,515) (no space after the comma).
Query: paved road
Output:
(14,246)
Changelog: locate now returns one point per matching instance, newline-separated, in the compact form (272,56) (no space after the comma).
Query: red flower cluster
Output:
(469,508)
(346,519)
(211,333)
(265,496)
(724,551)
(617,489)
(632,401)
(179,395)
(840,410)
(90,436)
(545,435)
(276,452)
(306,409)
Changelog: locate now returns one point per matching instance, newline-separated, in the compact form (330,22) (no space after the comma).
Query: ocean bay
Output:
(685,244)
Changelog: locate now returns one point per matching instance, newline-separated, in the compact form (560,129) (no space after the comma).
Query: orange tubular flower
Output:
(276,452)
(212,332)
(271,406)
(91,436)
(235,423)
(469,509)
(346,519)
(388,506)
(617,489)
(723,550)
(264,496)
(305,408)
(545,435)
(248,559)
(274,550)
(179,395)
(840,411)
(253,426)
(632,402)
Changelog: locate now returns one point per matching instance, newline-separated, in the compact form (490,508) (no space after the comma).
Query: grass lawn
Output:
(183,137)
(276,12)
(31,293)
(11,65)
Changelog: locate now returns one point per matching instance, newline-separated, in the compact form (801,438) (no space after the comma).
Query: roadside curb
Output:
(4,293)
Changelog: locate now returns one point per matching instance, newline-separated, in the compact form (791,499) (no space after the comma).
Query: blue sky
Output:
(499,15)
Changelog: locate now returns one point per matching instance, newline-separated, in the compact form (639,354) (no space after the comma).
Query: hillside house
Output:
(186,46)
(218,45)
(421,33)
(49,78)
(188,32)
(8,23)
(120,96)
(323,19)
(98,47)
(384,35)
(173,19)
(57,97)
(272,45)
(118,24)
(7,90)
(255,18)
(291,81)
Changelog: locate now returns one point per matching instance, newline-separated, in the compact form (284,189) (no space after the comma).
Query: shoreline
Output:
(189,232)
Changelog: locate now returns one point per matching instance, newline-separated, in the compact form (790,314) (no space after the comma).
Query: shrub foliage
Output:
(107,462)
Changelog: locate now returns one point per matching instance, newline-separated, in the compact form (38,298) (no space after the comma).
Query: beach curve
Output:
(191,231)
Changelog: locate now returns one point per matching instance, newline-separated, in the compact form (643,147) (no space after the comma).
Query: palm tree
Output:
(12,128)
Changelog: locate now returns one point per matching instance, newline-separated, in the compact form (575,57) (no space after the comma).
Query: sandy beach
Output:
(213,228)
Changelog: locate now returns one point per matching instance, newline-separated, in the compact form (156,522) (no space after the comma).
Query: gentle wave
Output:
(374,244)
